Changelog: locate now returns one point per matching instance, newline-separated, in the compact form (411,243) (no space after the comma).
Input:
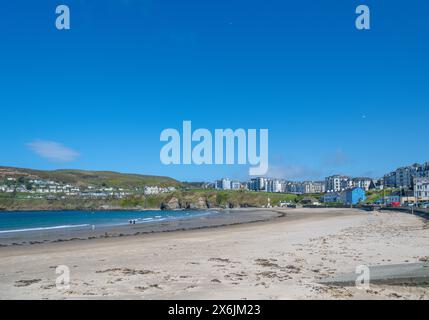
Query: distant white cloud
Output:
(53,151)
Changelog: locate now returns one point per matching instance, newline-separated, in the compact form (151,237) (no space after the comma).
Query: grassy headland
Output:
(179,199)
(82,178)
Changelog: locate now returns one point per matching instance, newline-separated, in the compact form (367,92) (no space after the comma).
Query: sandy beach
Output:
(282,258)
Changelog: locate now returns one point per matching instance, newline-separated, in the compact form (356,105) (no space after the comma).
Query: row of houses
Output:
(46,188)
(350,196)
(335,183)
(36,187)
(339,183)
(271,185)
(400,178)
(349,191)
(419,194)
(279,185)
(32,186)
(68,191)
(403,177)
(421,189)
(227,184)
(148,190)
(262,184)
(338,187)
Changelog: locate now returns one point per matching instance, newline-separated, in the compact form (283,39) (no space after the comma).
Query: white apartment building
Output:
(318,187)
(274,185)
(150,190)
(337,183)
(363,183)
(235,185)
(389,180)
(403,177)
(421,189)
(312,187)
(223,184)
(258,184)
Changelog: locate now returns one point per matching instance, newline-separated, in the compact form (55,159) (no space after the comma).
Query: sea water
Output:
(30,221)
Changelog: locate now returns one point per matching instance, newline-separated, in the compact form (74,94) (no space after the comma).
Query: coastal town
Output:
(409,186)
(405,186)
(40,188)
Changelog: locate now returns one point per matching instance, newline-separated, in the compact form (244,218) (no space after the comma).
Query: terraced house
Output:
(337,183)
(421,189)
(403,176)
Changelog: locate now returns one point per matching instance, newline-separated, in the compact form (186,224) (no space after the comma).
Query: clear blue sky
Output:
(335,99)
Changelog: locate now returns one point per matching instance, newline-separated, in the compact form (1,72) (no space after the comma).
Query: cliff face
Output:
(201,204)
(175,204)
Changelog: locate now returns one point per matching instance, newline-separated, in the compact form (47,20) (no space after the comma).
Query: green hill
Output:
(93,178)
(375,194)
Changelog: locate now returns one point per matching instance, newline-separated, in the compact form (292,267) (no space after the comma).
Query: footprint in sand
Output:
(152,286)
(26,283)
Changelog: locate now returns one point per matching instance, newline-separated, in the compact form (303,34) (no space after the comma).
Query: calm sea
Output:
(29,221)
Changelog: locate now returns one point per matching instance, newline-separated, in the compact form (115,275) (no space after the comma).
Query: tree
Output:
(28,186)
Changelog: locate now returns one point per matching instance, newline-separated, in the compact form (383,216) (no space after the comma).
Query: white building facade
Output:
(363,183)
(421,189)
(337,183)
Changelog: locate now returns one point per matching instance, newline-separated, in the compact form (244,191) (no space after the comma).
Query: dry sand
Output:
(279,259)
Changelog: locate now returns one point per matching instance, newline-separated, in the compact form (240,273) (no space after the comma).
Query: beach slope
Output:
(283,258)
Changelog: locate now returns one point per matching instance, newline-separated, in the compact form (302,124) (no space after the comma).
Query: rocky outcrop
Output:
(201,203)
(172,204)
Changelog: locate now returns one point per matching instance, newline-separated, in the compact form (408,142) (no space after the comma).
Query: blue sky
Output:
(335,99)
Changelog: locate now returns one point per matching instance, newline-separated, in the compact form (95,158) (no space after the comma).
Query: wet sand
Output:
(281,258)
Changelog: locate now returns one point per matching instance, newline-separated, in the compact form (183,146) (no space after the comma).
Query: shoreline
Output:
(226,217)
(179,225)
(287,215)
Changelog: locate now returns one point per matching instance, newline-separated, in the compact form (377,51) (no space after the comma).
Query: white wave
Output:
(152,220)
(46,228)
